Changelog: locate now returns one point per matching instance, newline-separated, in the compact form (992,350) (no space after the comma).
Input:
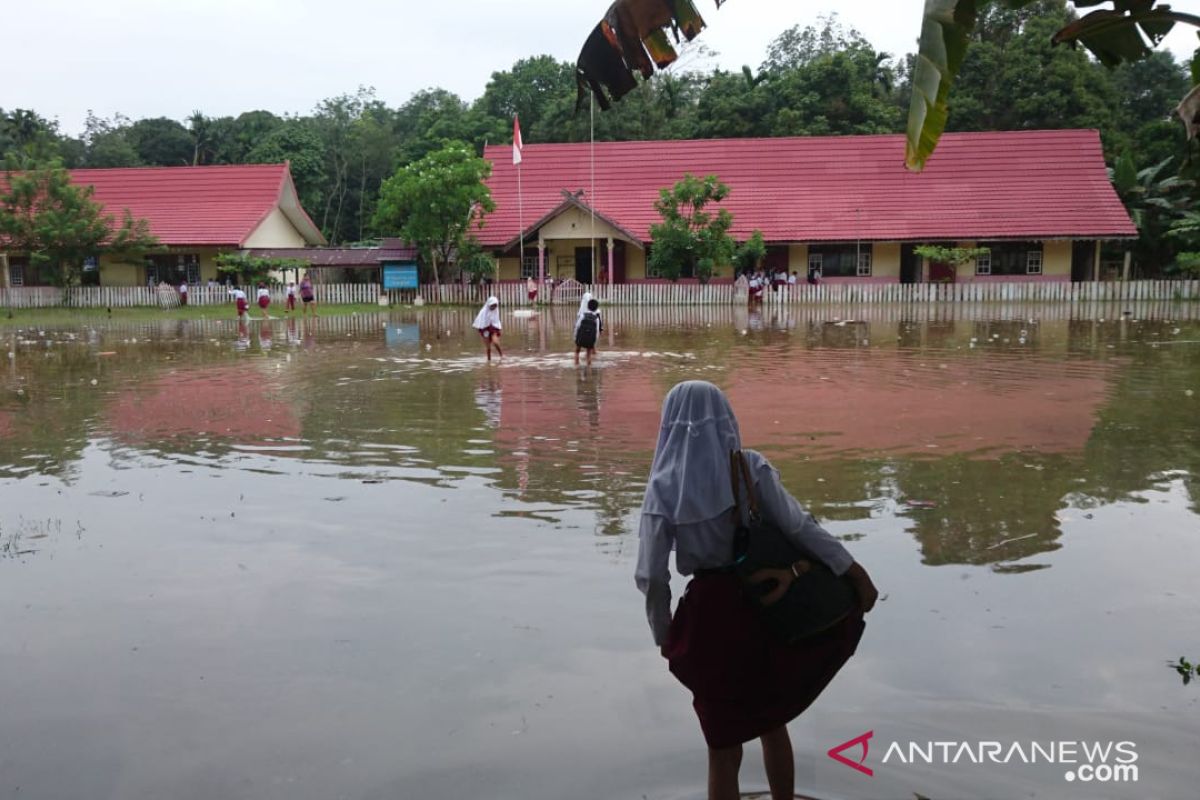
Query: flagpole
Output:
(592,198)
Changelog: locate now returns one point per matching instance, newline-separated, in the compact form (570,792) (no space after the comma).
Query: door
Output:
(910,264)
(1083,263)
(940,272)
(583,265)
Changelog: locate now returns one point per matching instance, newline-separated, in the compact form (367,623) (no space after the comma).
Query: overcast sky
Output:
(149,58)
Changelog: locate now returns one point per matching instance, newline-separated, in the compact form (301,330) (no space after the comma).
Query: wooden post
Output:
(1096,263)
(610,261)
(1125,267)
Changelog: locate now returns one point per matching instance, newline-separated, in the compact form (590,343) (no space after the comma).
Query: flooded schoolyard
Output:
(346,558)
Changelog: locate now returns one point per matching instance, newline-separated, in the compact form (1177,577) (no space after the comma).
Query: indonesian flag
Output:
(517,144)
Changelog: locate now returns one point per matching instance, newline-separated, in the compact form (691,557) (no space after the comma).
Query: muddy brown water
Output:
(347,558)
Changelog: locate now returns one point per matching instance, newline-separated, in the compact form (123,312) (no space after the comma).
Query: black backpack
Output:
(588,328)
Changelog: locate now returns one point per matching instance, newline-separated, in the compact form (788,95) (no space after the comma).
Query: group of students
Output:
(588,326)
(263,297)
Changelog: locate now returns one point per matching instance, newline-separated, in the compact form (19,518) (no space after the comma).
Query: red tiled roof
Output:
(217,205)
(1001,185)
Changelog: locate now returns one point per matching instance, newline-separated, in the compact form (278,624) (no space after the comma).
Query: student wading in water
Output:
(587,327)
(745,683)
(487,322)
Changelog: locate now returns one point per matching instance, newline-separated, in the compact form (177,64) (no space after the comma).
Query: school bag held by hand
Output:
(796,594)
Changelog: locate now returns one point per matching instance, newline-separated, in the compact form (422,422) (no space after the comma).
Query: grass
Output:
(63,316)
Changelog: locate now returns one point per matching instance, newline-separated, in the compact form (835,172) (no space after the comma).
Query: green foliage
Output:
(691,241)
(59,224)
(1187,264)
(1186,669)
(1123,34)
(161,142)
(750,253)
(252,269)
(1159,203)
(434,201)
(474,262)
(954,256)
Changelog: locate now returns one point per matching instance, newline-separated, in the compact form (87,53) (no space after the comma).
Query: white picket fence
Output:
(512,295)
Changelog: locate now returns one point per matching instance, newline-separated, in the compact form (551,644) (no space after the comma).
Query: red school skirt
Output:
(241,305)
(744,682)
(264,301)
(489,332)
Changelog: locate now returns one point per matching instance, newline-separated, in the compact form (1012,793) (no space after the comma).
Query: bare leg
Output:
(591,352)
(723,767)
(577,356)
(499,352)
(487,348)
(780,763)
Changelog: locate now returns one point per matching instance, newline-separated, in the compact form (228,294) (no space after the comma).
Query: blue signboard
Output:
(399,275)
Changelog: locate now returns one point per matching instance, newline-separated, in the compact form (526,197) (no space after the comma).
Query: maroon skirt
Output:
(744,682)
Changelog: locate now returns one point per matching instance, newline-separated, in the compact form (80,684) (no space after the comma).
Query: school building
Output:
(195,212)
(1040,201)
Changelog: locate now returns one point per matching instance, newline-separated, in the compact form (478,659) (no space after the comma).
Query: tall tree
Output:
(434,202)
(161,142)
(692,240)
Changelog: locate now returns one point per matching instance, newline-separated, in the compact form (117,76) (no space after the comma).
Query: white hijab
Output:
(689,479)
(583,301)
(488,317)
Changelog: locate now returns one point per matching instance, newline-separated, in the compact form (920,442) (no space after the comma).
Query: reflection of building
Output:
(196,212)
(846,206)
(233,403)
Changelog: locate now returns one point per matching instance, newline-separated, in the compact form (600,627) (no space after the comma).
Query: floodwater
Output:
(347,558)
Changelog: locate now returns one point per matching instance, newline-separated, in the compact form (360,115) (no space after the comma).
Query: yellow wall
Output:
(275,231)
(635,260)
(574,223)
(885,260)
(1056,259)
(119,273)
(798,259)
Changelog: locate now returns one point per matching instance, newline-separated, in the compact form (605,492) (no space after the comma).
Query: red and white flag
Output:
(517,144)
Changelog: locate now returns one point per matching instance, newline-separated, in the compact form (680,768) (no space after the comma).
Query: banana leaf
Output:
(632,38)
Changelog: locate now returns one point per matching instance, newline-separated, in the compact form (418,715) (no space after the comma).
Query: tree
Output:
(433,202)
(296,142)
(1125,33)
(528,89)
(691,240)
(750,253)
(1158,202)
(161,142)
(107,144)
(60,225)
(953,257)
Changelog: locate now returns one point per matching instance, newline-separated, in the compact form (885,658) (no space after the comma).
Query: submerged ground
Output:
(348,558)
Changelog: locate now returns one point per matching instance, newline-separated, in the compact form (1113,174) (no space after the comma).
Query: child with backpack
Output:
(587,329)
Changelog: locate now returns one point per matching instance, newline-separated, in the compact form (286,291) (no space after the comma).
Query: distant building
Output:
(196,213)
(1040,200)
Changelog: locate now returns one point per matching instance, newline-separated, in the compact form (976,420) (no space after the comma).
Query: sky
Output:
(150,58)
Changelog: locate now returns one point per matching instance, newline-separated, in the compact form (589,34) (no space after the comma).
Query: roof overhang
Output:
(571,200)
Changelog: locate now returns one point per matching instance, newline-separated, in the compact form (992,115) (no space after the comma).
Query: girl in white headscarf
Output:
(583,307)
(487,322)
(745,683)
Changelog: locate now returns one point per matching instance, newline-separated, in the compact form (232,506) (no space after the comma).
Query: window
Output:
(1033,262)
(174,268)
(16,275)
(841,260)
(983,264)
(192,266)
(529,265)
(1010,258)
(864,264)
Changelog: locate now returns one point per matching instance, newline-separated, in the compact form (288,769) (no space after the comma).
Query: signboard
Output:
(399,275)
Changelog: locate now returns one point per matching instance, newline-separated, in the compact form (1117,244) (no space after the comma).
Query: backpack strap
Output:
(739,474)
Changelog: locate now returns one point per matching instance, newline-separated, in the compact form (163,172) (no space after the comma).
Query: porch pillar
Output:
(1128,263)
(610,261)
(1096,264)
(3,270)
(541,265)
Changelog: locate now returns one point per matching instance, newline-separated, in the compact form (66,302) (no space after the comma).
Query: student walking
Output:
(487,322)
(588,326)
(290,306)
(239,298)
(308,295)
(264,299)
(183,291)
(531,290)
(746,683)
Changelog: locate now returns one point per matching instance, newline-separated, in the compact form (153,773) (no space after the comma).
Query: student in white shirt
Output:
(239,297)
(264,299)
(745,683)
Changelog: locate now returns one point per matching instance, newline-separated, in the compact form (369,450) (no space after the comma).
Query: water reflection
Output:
(372,527)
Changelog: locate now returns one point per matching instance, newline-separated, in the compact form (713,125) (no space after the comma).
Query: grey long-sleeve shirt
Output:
(709,544)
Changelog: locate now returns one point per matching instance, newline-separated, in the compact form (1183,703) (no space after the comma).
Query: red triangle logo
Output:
(864,740)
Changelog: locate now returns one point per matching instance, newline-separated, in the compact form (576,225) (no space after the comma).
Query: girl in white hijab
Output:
(745,683)
(487,322)
(583,307)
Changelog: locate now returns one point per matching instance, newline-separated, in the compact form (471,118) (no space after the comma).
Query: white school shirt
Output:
(183,288)
(264,293)
(291,290)
(238,294)
(709,544)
